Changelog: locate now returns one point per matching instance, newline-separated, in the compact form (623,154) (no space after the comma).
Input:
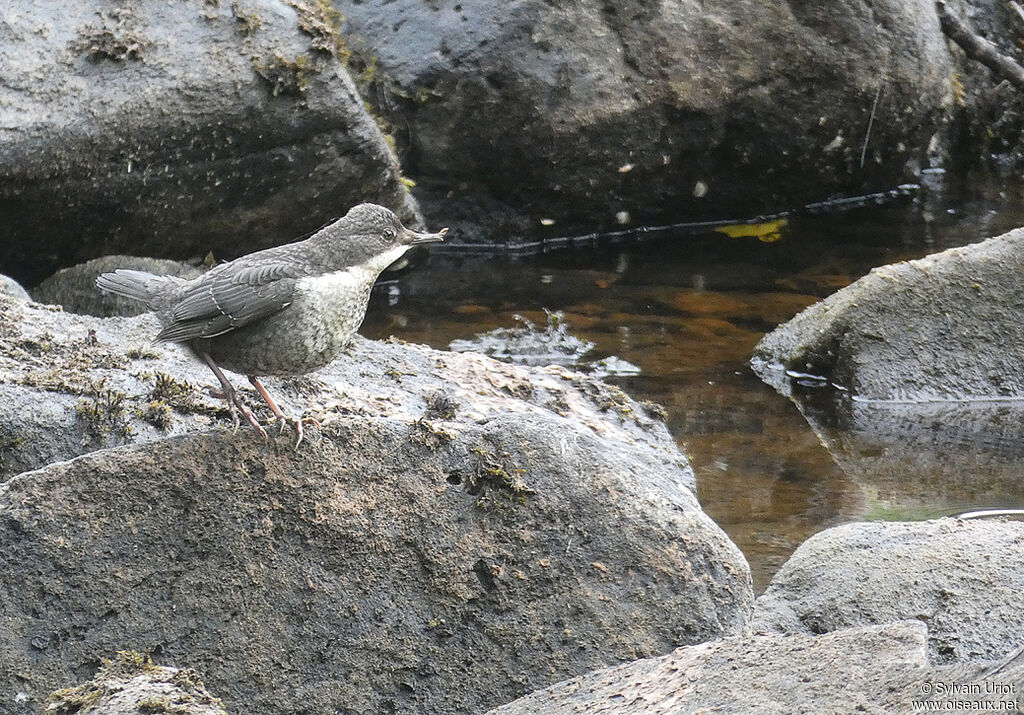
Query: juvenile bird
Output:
(286,310)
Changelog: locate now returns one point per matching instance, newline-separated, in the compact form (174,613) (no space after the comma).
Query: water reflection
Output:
(686,310)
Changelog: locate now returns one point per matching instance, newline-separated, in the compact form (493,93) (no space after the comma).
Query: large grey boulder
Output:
(577,111)
(458,532)
(965,579)
(174,129)
(944,327)
(880,669)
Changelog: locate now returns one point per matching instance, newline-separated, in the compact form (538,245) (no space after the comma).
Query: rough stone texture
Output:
(13,289)
(965,579)
(882,669)
(458,533)
(74,288)
(174,129)
(902,331)
(131,684)
(679,109)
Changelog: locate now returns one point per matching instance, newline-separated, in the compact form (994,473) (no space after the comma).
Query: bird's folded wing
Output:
(228,298)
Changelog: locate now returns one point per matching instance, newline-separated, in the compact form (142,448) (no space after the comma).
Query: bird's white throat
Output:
(352,278)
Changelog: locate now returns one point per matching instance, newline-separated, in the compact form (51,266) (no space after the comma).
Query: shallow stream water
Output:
(683,310)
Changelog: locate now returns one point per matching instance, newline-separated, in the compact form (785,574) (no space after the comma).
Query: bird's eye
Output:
(389,234)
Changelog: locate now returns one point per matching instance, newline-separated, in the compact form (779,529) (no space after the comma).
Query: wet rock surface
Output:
(457,533)
(902,332)
(963,578)
(174,130)
(577,112)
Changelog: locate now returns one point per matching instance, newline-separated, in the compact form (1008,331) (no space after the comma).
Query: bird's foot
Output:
(235,406)
(251,419)
(234,402)
(296,427)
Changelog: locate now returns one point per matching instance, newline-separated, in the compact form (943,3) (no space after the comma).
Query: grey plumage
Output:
(285,310)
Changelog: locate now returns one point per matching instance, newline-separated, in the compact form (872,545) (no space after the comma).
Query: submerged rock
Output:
(174,129)
(965,579)
(458,532)
(944,327)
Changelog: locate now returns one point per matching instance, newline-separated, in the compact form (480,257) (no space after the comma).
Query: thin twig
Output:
(978,48)
(871,120)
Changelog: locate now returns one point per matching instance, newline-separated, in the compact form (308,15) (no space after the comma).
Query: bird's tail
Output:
(137,285)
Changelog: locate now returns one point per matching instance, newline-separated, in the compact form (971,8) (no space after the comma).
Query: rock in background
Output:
(991,110)
(578,111)
(178,129)
(11,288)
(74,288)
(964,579)
(902,332)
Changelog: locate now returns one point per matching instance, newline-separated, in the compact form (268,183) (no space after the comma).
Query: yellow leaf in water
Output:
(768,231)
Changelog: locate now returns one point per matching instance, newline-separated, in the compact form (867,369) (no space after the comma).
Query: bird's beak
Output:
(418,238)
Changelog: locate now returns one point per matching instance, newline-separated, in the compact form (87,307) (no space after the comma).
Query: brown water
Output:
(687,309)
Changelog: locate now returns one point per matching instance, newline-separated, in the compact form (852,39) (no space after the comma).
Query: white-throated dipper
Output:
(286,310)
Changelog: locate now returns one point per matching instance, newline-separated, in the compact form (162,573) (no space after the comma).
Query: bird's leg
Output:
(296,424)
(281,419)
(235,405)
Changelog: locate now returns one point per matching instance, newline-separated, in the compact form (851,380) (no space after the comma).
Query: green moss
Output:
(8,443)
(158,414)
(369,73)
(497,480)
(248,23)
(142,353)
(127,663)
(73,700)
(286,76)
(430,435)
(177,393)
(322,22)
(103,413)
(423,95)
(654,410)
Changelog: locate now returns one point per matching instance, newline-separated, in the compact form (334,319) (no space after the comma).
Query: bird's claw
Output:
(296,426)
